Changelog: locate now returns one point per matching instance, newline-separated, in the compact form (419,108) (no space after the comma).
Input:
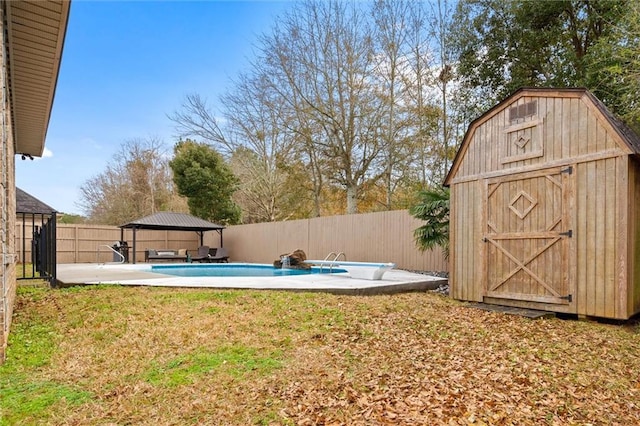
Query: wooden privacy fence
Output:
(86,243)
(368,237)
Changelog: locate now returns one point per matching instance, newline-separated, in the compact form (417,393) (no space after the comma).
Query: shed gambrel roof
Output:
(27,203)
(627,137)
(173,222)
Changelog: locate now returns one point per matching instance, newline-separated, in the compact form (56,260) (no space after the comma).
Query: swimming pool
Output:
(235,270)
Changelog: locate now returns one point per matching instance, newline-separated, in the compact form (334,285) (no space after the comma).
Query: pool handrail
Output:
(335,257)
(110,248)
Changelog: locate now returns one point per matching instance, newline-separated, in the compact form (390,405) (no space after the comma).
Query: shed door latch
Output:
(568,298)
(569,233)
(568,170)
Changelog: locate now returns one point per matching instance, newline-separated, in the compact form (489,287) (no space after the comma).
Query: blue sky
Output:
(125,66)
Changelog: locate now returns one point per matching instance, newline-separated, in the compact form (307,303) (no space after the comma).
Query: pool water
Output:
(235,270)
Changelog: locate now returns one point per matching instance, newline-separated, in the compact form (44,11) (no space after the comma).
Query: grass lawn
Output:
(156,356)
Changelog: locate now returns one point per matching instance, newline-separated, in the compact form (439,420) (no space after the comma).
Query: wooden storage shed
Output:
(545,193)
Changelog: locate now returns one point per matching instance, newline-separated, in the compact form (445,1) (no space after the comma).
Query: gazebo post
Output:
(134,245)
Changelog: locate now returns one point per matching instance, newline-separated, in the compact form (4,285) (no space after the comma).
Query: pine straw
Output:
(178,356)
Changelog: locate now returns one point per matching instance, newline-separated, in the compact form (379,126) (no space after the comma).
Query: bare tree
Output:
(196,120)
(137,182)
(324,52)
(431,86)
(390,18)
(264,153)
(441,28)
(297,120)
(343,96)
(417,77)
(304,131)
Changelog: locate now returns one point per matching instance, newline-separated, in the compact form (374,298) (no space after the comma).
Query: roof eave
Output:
(36,32)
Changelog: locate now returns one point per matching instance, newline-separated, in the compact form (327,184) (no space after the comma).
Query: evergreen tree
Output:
(505,45)
(201,175)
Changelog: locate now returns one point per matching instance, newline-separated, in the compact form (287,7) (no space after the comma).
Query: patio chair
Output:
(220,255)
(202,255)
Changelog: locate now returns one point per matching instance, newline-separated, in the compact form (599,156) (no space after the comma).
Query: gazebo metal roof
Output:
(171,221)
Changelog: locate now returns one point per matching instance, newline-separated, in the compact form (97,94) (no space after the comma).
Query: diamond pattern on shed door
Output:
(525,239)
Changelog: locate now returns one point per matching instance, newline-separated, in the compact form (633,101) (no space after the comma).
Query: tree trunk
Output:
(352,199)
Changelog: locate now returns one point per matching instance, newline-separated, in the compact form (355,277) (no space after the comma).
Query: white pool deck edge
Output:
(394,281)
(363,270)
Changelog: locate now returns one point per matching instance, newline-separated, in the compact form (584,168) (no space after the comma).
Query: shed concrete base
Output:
(529,313)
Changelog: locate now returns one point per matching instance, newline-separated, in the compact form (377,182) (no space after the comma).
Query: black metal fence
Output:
(42,241)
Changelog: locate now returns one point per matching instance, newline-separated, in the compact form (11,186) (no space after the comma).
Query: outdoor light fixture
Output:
(25,156)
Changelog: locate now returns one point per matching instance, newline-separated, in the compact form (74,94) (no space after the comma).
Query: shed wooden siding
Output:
(571,130)
(465,240)
(633,302)
(600,263)
(600,238)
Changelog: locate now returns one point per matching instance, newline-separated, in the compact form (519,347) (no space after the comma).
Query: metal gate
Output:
(38,233)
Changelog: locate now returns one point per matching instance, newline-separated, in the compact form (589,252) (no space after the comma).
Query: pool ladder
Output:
(336,256)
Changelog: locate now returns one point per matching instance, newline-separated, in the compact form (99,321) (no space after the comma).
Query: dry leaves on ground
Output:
(177,356)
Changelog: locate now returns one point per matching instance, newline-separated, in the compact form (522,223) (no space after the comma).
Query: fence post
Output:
(76,250)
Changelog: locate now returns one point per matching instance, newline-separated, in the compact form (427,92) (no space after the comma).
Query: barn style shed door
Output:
(526,236)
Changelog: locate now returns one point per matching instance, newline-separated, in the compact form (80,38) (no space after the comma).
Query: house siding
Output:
(7,199)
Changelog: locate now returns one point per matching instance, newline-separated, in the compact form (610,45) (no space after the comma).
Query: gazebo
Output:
(170,221)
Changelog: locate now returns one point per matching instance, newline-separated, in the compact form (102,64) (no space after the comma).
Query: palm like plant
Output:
(433,208)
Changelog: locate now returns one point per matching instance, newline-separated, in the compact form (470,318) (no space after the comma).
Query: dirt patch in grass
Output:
(122,355)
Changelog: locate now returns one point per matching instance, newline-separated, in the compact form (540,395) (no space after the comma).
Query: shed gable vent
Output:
(523,110)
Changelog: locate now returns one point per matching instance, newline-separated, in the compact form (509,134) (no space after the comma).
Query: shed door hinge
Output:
(568,298)
(568,170)
(569,233)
